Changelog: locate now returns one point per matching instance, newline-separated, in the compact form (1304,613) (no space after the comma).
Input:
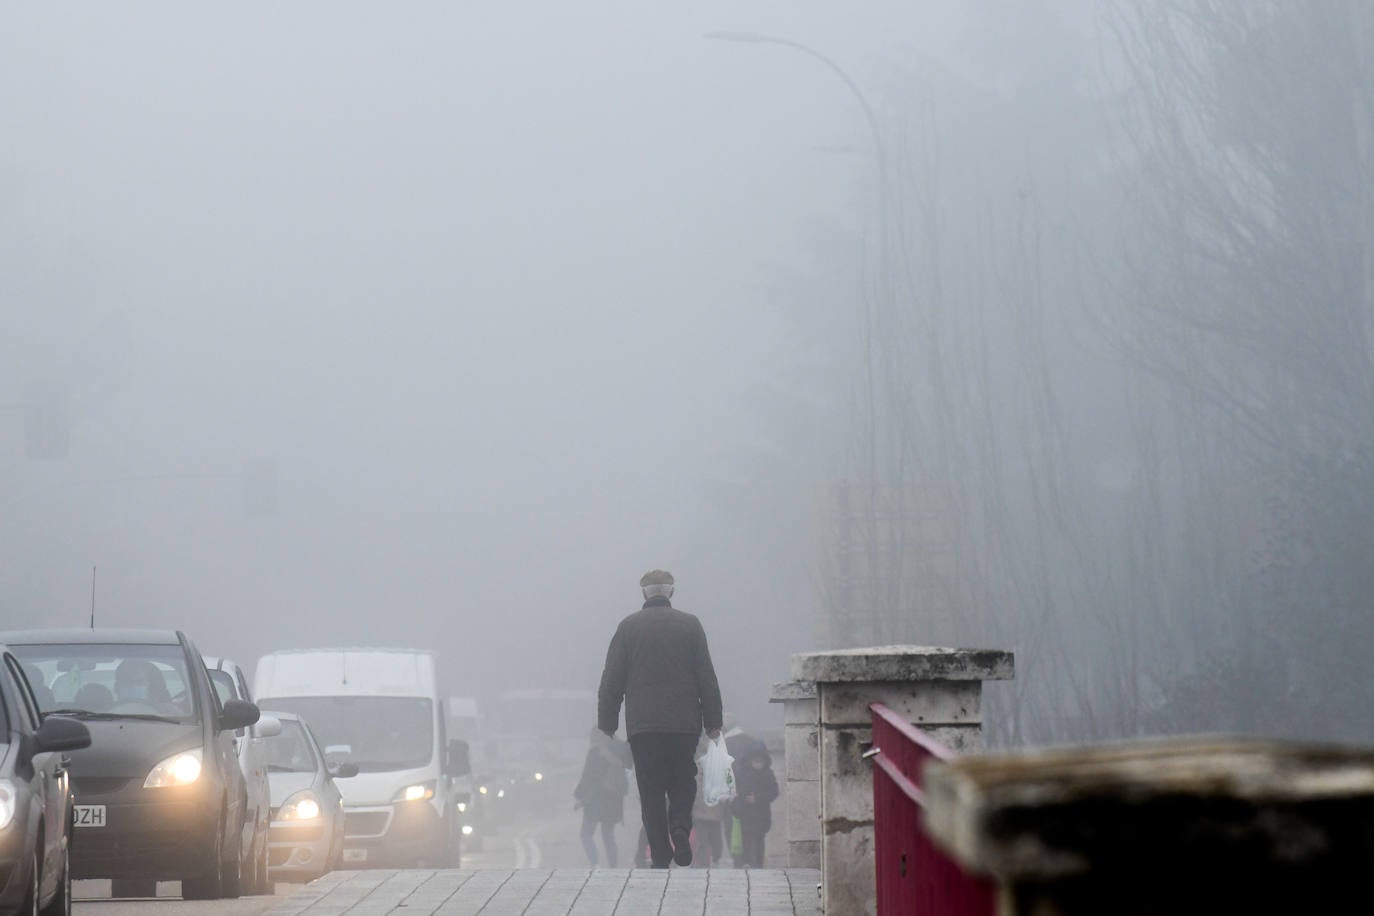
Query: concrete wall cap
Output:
(792,690)
(904,663)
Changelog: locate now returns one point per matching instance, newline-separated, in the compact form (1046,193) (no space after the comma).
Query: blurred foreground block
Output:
(1201,825)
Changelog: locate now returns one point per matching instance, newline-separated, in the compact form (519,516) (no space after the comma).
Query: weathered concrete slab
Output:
(1248,805)
(922,703)
(904,663)
(559,892)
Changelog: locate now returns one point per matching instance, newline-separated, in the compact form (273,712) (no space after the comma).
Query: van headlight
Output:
(177,770)
(421,791)
(6,803)
(302,806)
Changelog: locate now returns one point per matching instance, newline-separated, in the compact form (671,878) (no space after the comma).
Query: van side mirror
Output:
(238,714)
(343,770)
(457,762)
(59,733)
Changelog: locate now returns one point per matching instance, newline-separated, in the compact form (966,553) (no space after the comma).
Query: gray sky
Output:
(501,288)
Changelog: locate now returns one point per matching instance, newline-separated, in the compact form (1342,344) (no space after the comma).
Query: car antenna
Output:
(92,597)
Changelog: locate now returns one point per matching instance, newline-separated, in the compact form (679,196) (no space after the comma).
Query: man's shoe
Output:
(682,847)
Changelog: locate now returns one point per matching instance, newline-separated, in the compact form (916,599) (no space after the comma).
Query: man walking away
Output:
(659,664)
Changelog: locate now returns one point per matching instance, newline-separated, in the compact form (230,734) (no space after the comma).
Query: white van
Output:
(380,710)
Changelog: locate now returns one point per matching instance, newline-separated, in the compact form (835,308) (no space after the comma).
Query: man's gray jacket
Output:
(658,662)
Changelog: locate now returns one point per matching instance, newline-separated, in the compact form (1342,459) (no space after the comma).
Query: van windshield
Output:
(376,733)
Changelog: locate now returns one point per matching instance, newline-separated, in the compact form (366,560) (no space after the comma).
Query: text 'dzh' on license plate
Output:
(90,815)
(355,855)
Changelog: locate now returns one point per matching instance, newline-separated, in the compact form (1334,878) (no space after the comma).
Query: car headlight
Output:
(462,806)
(300,807)
(482,789)
(6,803)
(421,791)
(500,793)
(538,777)
(177,770)
(467,830)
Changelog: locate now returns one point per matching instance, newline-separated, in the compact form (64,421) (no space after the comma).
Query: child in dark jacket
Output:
(755,790)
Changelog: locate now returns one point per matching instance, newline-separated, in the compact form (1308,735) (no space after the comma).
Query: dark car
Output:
(35,798)
(159,794)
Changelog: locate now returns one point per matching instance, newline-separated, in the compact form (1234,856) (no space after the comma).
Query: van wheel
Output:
(453,852)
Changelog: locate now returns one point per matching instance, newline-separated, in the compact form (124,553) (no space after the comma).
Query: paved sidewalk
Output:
(560,892)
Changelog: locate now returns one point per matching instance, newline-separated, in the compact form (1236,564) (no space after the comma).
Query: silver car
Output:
(232,684)
(307,834)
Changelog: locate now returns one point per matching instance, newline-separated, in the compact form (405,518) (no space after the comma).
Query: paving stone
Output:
(558,892)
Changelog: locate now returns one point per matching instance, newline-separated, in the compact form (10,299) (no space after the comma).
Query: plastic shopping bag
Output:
(717,776)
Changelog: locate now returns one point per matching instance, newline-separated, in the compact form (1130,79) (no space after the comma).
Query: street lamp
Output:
(757,38)
(885,283)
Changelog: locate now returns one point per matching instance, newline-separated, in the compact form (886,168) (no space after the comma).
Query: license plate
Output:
(355,855)
(90,815)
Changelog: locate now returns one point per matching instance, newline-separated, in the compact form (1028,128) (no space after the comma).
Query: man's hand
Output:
(713,734)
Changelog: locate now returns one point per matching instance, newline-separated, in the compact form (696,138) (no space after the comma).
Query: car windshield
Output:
(376,733)
(99,681)
(290,752)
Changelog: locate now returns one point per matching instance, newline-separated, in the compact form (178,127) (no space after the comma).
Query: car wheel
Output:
(133,887)
(207,886)
(61,902)
(264,875)
(257,875)
(31,898)
(231,879)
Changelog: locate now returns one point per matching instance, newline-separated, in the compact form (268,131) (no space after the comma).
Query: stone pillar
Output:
(1162,827)
(938,690)
(802,772)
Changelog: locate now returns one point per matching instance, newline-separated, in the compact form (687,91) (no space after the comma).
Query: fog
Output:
(438,324)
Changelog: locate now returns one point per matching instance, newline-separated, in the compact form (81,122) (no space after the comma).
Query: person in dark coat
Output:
(658,663)
(756,788)
(600,793)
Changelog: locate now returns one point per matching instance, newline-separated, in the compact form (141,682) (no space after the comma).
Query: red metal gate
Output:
(915,877)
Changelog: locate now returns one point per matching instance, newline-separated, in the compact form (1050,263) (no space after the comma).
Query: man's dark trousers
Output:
(664,767)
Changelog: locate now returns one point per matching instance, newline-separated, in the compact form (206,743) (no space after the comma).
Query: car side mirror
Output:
(458,762)
(59,733)
(343,770)
(269,727)
(238,714)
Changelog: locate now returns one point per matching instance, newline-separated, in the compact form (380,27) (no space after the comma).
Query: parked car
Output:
(231,684)
(159,793)
(380,710)
(36,805)
(307,837)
